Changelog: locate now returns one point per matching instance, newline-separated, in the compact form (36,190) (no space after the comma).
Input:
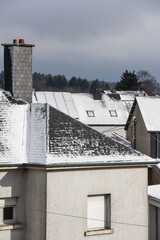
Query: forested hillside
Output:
(131,81)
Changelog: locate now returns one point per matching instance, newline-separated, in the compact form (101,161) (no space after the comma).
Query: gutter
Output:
(153,198)
(79,164)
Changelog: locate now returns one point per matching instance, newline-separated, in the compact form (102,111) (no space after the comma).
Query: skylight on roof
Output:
(113,113)
(90,113)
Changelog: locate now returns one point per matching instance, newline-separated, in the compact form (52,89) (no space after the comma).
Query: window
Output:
(90,113)
(99,212)
(155,144)
(113,113)
(7,211)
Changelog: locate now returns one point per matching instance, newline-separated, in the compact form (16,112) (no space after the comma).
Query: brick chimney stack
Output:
(18,69)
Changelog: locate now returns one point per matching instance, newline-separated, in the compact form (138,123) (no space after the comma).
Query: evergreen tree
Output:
(60,81)
(73,82)
(84,85)
(104,85)
(50,80)
(129,81)
(94,85)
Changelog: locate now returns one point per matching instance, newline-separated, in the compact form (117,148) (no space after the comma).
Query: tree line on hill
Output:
(129,81)
(60,83)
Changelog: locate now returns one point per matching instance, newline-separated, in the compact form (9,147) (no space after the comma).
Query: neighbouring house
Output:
(154,212)
(104,111)
(143,130)
(61,179)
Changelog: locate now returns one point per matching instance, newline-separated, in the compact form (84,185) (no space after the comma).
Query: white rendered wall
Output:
(67,193)
(12,185)
(35,205)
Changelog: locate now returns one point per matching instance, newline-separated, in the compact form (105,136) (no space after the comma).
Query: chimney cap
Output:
(21,41)
(18,44)
(15,41)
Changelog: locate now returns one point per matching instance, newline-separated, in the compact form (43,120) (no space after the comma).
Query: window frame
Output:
(113,113)
(7,203)
(90,113)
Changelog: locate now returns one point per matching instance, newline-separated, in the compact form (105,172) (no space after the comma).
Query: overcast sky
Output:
(87,38)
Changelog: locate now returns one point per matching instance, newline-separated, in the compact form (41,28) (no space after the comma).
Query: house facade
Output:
(143,130)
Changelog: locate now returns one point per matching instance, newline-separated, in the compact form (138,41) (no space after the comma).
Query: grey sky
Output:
(87,38)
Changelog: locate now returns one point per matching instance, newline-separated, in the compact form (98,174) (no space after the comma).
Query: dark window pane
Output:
(8,213)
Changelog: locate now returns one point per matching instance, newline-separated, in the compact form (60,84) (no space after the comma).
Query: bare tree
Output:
(148,82)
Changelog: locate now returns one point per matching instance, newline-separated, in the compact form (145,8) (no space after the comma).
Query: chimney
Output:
(18,69)
(97,94)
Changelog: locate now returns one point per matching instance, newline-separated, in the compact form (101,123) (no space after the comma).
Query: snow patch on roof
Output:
(150,110)
(37,133)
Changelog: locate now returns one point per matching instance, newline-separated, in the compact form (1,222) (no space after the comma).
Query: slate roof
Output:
(40,134)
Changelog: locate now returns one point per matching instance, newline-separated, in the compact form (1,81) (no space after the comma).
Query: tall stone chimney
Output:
(18,69)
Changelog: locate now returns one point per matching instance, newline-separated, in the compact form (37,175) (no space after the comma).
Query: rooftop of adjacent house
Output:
(111,109)
(150,111)
(40,134)
(154,192)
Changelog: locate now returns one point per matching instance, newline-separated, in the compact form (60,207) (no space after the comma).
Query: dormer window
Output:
(90,113)
(113,113)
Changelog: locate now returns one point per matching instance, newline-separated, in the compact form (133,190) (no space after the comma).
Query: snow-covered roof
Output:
(128,98)
(40,134)
(62,101)
(130,95)
(107,111)
(71,141)
(12,129)
(150,110)
(154,192)
(82,106)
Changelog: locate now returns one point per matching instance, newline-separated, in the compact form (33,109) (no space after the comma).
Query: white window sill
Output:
(98,232)
(10,226)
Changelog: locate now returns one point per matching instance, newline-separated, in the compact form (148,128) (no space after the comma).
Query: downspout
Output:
(157,138)
(134,121)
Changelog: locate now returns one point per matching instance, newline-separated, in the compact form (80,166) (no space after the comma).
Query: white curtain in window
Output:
(95,212)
